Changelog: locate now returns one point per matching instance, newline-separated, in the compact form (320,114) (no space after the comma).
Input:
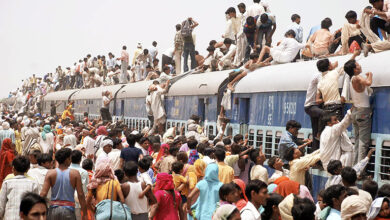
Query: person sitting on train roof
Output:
(299,164)
(277,164)
(335,167)
(381,16)
(290,139)
(328,88)
(351,32)
(322,39)
(226,62)
(349,177)
(285,51)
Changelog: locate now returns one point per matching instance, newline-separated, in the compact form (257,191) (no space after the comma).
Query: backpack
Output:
(186,30)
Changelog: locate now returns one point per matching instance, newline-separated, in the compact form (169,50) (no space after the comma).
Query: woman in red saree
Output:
(7,155)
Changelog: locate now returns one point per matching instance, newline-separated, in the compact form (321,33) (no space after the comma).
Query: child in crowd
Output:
(88,165)
(144,176)
(181,182)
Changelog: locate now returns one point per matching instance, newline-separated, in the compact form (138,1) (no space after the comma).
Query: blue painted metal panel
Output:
(182,107)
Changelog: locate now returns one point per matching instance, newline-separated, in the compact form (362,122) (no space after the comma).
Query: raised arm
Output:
(343,125)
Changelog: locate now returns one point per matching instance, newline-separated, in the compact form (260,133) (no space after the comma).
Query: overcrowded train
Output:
(262,103)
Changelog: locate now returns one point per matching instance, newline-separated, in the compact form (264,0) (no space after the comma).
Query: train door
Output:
(122,108)
(202,109)
(243,114)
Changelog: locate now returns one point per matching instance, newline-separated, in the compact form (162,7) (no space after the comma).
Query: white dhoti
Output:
(381,46)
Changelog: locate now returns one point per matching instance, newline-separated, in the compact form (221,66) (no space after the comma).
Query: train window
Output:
(201,108)
(268,145)
(385,161)
(251,137)
(211,129)
(278,135)
(259,138)
(168,125)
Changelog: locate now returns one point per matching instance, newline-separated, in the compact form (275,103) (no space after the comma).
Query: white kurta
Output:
(157,106)
(334,140)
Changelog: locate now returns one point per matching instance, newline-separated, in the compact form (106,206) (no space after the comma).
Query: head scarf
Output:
(224,211)
(192,127)
(351,206)
(241,184)
(271,188)
(70,140)
(27,122)
(164,181)
(102,130)
(285,188)
(106,142)
(46,130)
(281,179)
(200,167)
(375,208)
(103,173)
(6,145)
(5,125)
(6,155)
(209,193)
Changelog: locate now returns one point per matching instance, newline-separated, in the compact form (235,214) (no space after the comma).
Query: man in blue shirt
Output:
(290,139)
(130,153)
(333,197)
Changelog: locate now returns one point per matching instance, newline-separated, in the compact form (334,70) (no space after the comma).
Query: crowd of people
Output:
(54,167)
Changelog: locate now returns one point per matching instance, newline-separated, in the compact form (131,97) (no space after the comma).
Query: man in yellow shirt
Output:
(299,164)
(225,172)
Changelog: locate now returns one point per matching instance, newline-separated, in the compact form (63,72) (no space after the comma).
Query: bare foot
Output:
(230,86)
(366,49)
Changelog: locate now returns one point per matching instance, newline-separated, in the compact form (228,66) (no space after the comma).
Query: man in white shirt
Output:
(111,61)
(232,25)
(106,145)
(256,9)
(257,194)
(153,51)
(227,60)
(258,171)
(313,109)
(115,153)
(241,37)
(105,111)
(76,160)
(334,142)
(88,143)
(277,164)
(38,173)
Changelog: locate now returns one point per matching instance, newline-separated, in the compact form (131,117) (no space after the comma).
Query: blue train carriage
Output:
(58,97)
(267,98)
(199,94)
(90,100)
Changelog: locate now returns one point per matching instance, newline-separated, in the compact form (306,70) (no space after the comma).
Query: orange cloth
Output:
(285,188)
(281,179)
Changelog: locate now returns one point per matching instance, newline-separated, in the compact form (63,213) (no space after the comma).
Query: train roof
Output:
(60,95)
(199,84)
(297,76)
(135,90)
(95,93)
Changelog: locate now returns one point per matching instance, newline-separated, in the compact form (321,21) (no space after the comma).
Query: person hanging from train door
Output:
(105,110)
(328,89)
(157,92)
(360,91)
